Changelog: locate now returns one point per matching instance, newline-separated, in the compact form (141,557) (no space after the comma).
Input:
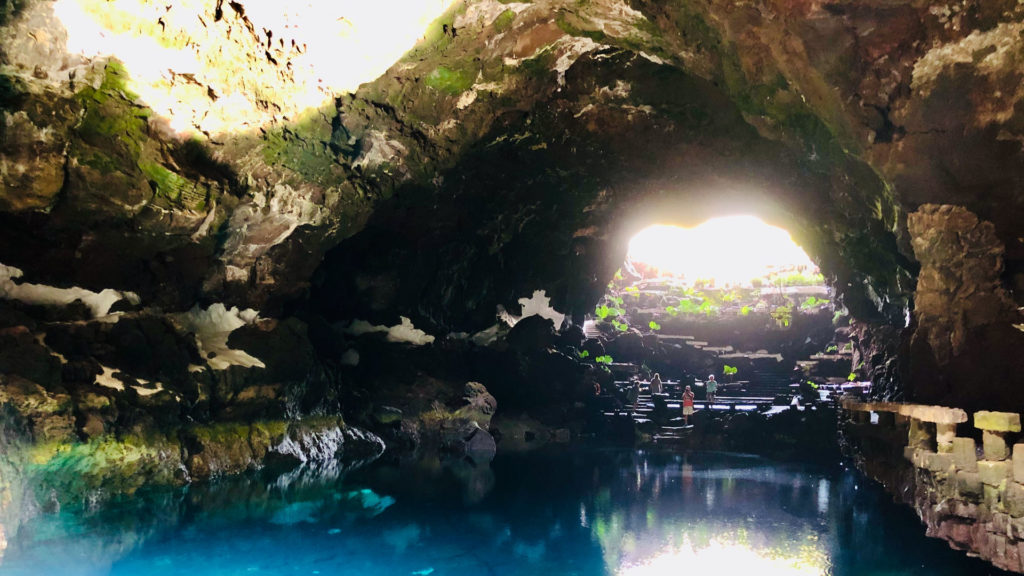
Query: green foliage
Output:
(504,21)
(605,312)
(848,347)
(831,349)
(654,325)
(730,296)
(615,300)
(812,384)
(812,302)
(620,326)
(605,359)
(796,279)
(729,370)
(783,316)
(632,290)
(745,311)
(851,377)
(618,274)
(583,354)
(839,315)
(672,311)
(707,308)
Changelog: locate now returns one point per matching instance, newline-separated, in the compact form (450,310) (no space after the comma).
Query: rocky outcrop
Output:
(965,350)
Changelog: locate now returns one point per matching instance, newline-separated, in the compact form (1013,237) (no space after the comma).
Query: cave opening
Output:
(732,298)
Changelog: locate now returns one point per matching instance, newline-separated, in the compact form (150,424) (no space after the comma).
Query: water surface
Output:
(585,512)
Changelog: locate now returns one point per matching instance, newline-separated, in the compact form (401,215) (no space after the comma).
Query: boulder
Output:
(532,333)
(480,405)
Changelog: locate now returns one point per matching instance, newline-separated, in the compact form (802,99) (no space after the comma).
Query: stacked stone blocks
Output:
(975,504)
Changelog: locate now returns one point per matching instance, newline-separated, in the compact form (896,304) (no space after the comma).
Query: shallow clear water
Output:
(587,512)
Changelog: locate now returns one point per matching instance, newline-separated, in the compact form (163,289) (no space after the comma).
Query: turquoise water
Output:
(586,512)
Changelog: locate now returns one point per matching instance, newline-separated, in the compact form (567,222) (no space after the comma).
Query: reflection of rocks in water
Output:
(477,479)
(403,537)
(531,551)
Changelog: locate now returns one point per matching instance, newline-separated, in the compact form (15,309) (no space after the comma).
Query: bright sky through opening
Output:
(730,250)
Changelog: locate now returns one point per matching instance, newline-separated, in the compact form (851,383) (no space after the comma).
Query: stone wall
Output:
(929,457)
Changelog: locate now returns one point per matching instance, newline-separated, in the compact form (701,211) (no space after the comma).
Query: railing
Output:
(976,504)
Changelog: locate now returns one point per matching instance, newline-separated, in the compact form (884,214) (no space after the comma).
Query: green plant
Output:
(654,325)
(812,302)
(812,384)
(583,354)
(729,370)
(745,311)
(848,347)
(615,300)
(672,311)
(605,359)
(707,308)
(783,315)
(618,274)
(632,290)
(851,377)
(620,326)
(831,349)
(796,279)
(605,312)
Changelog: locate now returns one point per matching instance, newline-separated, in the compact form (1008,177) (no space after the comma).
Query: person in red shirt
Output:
(687,405)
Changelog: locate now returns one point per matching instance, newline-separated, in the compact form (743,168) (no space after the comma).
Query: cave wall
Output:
(521,152)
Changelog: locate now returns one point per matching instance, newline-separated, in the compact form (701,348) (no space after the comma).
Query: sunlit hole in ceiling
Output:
(728,250)
(174,52)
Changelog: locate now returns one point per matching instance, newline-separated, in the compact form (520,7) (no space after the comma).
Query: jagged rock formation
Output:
(515,148)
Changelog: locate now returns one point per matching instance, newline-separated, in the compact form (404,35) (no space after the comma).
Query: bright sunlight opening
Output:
(178,53)
(730,250)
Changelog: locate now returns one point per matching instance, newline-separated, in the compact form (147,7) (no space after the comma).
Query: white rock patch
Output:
(377,149)
(107,380)
(99,303)
(404,332)
(540,305)
(576,48)
(212,327)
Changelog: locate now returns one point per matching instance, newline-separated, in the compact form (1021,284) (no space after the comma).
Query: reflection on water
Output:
(578,512)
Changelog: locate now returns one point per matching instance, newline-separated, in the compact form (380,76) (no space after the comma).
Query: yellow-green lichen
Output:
(451,81)
(504,21)
(304,146)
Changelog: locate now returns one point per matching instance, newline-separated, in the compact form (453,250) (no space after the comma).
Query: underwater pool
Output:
(586,512)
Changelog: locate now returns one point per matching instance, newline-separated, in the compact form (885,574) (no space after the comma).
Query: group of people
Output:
(658,387)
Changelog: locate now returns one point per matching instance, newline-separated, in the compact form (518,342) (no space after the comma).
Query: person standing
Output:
(656,386)
(712,389)
(633,395)
(687,405)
